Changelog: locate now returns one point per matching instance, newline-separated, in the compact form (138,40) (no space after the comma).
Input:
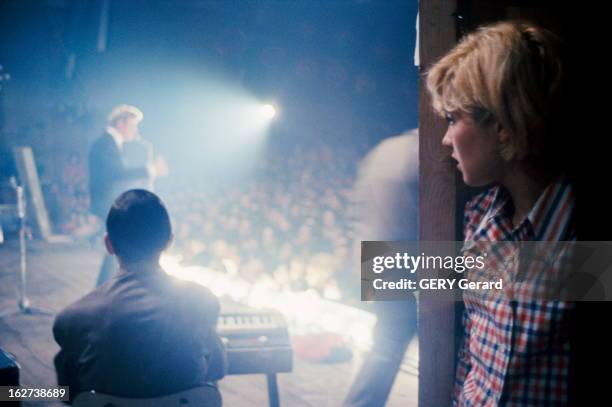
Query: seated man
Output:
(142,333)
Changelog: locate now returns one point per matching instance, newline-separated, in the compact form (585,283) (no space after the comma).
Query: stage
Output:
(58,274)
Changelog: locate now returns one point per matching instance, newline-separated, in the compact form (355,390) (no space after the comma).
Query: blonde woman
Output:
(500,89)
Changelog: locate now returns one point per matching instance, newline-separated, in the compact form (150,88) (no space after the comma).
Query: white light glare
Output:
(268,111)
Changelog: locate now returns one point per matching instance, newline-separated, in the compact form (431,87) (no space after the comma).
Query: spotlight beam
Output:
(268,111)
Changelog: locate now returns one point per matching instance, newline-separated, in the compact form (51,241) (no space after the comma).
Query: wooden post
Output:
(437,189)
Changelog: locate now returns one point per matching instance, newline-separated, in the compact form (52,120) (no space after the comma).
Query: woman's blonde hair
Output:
(509,73)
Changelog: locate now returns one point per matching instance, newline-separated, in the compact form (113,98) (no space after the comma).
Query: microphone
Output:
(147,144)
(141,140)
(150,157)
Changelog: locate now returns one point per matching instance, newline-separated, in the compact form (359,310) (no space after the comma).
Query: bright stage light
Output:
(268,111)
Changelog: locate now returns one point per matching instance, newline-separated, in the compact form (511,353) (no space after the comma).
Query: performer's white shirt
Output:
(116,136)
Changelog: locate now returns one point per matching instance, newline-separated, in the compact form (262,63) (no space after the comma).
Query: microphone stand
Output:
(23,303)
(150,158)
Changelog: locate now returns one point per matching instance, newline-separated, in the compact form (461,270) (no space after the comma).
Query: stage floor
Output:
(58,274)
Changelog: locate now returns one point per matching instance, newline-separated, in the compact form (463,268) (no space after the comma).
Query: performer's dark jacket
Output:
(109,176)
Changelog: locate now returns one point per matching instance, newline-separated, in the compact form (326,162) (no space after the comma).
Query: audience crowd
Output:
(289,221)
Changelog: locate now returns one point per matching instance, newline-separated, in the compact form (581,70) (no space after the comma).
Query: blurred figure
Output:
(108,173)
(386,208)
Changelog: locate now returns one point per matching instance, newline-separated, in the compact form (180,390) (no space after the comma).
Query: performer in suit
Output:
(108,173)
(143,333)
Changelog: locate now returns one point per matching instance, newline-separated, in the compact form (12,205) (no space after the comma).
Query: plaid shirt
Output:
(515,350)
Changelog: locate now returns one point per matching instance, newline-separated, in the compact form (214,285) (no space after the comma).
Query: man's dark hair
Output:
(138,225)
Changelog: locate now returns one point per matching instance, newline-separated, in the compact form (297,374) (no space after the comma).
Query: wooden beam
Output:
(437,189)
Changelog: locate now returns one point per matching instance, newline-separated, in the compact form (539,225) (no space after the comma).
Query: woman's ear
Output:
(109,245)
(502,133)
(506,148)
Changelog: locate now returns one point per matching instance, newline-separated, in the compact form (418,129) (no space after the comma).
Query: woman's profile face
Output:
(475,147)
